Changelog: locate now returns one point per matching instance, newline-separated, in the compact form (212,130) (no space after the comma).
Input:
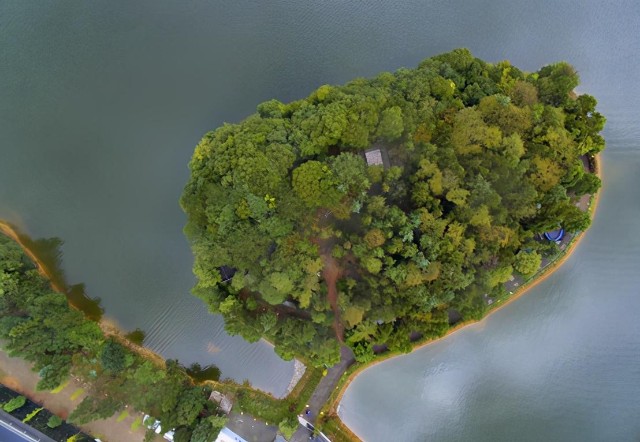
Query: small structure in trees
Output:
(227,273)
(377,156)
(222,400)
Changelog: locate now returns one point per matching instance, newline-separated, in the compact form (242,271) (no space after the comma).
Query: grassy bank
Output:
(263,405)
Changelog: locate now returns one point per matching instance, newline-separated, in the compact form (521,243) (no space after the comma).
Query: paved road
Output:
(13,430)
(323,391)
(252,430)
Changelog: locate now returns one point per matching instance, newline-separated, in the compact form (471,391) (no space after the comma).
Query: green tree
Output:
(191,402)
(527,263)
(555,82)
(315,184)
(589,183)
(92,408)
(391,124)
(113,356)
(207,429)
(350,172)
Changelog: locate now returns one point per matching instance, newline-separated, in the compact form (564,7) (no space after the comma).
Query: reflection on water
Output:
(47,253)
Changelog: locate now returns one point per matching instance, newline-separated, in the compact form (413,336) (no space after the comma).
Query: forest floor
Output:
(16,374)
(331,271)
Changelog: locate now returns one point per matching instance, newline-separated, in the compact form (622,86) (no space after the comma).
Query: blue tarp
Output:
(555,235)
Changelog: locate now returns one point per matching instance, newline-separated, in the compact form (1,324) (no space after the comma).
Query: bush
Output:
(54,421)
(31,415)
(14,404)
(288,426)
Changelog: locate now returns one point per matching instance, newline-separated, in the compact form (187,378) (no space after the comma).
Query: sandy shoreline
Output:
(546,272)
(10,231)
(108,327)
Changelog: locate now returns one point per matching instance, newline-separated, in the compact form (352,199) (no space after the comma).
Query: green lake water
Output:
(101,104)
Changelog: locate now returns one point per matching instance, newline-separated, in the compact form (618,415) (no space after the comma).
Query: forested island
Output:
(376,211)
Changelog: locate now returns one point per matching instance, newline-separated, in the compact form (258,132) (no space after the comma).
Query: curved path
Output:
(323,391)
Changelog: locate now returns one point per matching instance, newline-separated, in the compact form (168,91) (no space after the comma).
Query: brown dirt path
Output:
(331,273)
(16,374)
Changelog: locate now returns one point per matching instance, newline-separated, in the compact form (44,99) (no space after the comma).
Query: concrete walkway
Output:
(323,391)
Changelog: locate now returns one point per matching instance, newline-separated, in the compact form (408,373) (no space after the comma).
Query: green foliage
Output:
(137,336)
(113,356)
(587,184)
(207,430)
(149,435)
(527,263)
(14,404)
(483,158)
(91,409)
(499,275)
(41,327)
(31,415)
(391,124)
(315,184)
(288,426)
(54,421)
(555,82)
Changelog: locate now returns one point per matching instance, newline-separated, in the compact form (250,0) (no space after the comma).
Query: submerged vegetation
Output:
(298,239)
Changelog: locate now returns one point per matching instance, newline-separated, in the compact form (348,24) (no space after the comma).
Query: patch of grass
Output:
(122,416)
(76,394)
(136,423)
(32,415)
(60,387)
(266,407)
(336,431)
(14,404)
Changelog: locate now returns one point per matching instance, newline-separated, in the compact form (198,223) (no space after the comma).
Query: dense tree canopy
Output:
(482,158)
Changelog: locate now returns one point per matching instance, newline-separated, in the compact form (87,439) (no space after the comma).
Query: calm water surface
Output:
(101,104)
